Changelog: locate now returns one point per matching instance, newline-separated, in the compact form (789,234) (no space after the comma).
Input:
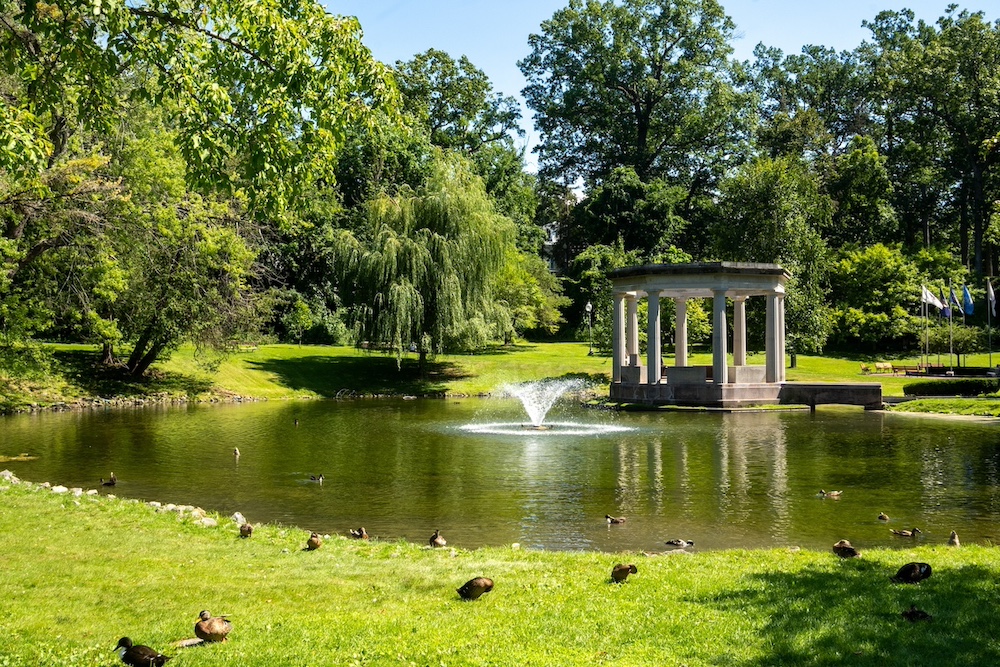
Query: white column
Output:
(781,337)
(618,337)
(653,342)
(740,331)
(681,337)
(632,348)
(771,352)
(720,369)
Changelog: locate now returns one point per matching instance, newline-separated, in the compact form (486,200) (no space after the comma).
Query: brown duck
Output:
(913,573)
(437,540)
(137,655)
(913,614)
(111,481)
(906,533)
(314,542)
(473,588)
(882,516)
(830,494)
(360,533)
(678,542)
(953,540)
(212,628)
(614,519)
(246,530)
(844,549)
(619,573)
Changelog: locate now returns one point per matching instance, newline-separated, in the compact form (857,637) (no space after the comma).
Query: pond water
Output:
(403,468)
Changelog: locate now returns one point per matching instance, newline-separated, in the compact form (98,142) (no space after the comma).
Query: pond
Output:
(403,468)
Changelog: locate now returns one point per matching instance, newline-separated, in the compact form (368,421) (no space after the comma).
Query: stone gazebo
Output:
(718,385)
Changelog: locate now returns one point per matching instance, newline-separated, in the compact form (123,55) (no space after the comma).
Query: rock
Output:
(60,489)
(45,485)
(198,513)
(170,507)
(92,492)
(207,522)
(9,476)
(76,491)
(238,519)
(153,503)
(111,496)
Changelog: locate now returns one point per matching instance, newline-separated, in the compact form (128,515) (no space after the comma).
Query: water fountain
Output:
(537,398)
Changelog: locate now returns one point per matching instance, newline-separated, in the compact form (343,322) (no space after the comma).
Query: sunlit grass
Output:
(79,573)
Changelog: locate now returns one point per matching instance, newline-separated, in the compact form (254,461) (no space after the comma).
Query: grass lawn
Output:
(81,572)
(292,371)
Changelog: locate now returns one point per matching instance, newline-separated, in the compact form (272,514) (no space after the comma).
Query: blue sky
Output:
(494,35)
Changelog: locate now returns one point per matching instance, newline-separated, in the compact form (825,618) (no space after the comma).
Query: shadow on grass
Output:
(588,378)
(84,370)
(852,616)
(372,374)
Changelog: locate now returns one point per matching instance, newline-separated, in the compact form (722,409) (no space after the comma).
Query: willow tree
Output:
(423,269)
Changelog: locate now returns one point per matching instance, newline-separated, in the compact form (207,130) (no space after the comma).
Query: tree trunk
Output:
(108,355)
(147,360)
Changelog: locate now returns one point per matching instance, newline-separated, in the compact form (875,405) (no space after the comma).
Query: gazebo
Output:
(721,384)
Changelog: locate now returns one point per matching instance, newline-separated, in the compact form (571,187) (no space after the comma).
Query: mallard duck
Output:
(139,655)
(614,519)
(619,572)
(111,481)
(473,588)
(882,516)
(913,573)
(830,494)
(246,530)
(677,542)
(913,614)
(905,533)
(953,540)
(360,533)
(436,539)
(314,542)
(212,628)
(844,549)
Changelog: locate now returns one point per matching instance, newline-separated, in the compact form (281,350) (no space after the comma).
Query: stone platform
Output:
(715,395)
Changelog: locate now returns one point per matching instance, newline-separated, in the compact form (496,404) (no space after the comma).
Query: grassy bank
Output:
(291,371)
(81,572)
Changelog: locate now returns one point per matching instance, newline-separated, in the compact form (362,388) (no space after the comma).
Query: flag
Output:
(967,305)
(926,296)
(945,310)
(991,298)
(953,301)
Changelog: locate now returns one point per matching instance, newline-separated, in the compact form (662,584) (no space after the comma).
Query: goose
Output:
(473,588)
(212,629)
(614,519)
(137,655)
(619,573)
(437,540)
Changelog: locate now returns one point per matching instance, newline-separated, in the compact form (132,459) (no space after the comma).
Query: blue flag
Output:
(967,300)
(953,301)
(946,311)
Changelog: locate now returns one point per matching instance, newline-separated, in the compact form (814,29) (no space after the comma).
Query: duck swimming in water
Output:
(314,478)
(678,542)
(830,494)
(111,482)
(882,516)
(614,519)
(906,533)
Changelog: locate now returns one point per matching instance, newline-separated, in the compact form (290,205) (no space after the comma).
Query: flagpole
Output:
(951,337)
(989,326)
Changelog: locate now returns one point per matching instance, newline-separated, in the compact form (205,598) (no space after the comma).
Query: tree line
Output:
(226,170)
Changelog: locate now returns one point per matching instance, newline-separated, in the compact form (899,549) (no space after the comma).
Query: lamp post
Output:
(590,329)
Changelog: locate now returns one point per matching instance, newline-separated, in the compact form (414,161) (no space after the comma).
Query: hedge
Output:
(956,387)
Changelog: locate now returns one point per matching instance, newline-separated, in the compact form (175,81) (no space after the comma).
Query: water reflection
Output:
(404,468)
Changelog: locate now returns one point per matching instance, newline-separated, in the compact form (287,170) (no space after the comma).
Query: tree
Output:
(645,84)
(423,268)
(862,192)
(456,102)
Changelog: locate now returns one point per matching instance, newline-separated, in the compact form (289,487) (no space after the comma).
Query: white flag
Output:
(992,298)
(928,297)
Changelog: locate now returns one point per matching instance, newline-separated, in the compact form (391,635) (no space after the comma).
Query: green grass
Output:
(80,573)
(291,371)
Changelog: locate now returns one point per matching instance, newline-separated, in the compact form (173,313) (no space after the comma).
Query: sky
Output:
(494,35)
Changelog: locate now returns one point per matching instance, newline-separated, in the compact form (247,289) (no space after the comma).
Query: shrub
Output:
(957,387)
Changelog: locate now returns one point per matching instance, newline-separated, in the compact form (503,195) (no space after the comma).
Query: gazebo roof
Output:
(702,279)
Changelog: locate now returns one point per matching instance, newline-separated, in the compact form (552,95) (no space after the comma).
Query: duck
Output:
(913,614)
(246,530)
(314,542)
(912,573)
(620,572)
(236,452)
(677,542)
(614,519)
(844,549)
(212,628)
(473,588)
(882,516)
(436,539)
(137,655)
(905,533)
(111,481)
(360,533)
(953,540)
(830,494)
(314,478)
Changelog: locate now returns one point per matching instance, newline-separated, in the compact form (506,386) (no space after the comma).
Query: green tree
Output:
(423,268)
(862,191)
(645,84)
